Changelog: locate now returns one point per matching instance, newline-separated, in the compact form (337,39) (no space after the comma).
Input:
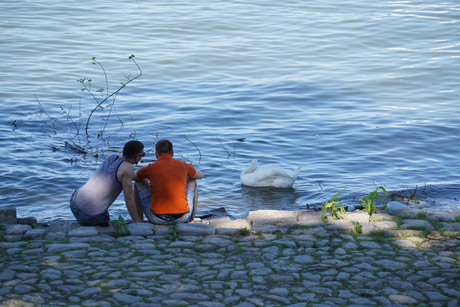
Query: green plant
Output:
(399,220)
(132,292)
(421,215)
(243,232)
(436,225)
(358,228)
(335,206)
(369,204)
(457,218)
(120,227)
(173,234)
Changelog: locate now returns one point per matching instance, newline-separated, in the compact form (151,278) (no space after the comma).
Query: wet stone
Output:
(83,232)
(17,229)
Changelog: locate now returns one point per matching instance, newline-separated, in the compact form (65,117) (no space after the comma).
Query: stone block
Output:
(367,229)
(59,235)
(408,213)
(62,247)
(386,225)
(342,224)
(161,230)
(451,226)
(8,215)
(309,215)
(394,206)
(272,217)
(441,216)
(227,223)
(141,229)
(264,228)
(226,231)
(361,217)
(312,223)
(99,239)
(195,229)
(27,220)
(12,238)
(129,239)
(84,231)
(417,224)
(17,229)
(35,234)
(403,233)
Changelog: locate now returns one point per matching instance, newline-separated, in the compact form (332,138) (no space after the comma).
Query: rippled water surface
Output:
(360,93)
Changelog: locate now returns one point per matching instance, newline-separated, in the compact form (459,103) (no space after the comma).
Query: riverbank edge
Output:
(271,258)
(401,223)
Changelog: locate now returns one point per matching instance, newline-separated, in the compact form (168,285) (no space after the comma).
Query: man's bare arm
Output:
(198,175)
(127,174)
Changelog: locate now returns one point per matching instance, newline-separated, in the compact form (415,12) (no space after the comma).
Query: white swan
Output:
(268,175)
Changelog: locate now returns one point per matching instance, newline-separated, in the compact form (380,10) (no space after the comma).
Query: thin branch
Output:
(199,161)
(105,75)
(113,94)
(42,110)
(413,194)
(67,113)
(229,155)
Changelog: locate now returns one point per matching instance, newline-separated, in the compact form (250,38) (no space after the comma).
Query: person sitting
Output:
(91,202)
(167,189)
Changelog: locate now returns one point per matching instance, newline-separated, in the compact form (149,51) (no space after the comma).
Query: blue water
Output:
(361,94)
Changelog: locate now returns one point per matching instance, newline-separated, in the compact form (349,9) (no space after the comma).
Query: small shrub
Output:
(369,204)
(421,215)
(335,206)
(398,220)
(173,234)
(120,227)
(132,292)
(243,232)
(358,228)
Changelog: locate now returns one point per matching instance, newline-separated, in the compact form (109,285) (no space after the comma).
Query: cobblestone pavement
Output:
(306,263)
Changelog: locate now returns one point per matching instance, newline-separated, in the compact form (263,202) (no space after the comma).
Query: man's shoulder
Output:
(125,166)
(180,162)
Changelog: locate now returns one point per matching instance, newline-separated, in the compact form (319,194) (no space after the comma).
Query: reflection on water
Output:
(269,198)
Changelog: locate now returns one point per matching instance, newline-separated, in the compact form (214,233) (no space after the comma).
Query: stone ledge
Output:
(261,221)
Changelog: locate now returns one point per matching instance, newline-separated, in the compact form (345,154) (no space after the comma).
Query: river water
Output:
(360,93)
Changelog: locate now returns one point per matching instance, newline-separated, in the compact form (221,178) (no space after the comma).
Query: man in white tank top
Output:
(91,202)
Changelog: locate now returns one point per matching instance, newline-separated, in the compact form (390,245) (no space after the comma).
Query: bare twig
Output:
(42,110)
(413,194)
(199,161)
(114,94)
(229,155)
(75,147)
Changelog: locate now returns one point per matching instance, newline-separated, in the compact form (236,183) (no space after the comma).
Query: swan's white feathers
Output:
(268,175)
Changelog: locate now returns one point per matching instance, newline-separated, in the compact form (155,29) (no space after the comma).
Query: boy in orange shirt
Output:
(167,188)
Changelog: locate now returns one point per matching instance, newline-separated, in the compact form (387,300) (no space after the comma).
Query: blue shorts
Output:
(88,220)
(164,219)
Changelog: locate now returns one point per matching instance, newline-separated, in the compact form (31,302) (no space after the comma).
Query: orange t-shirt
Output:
(168,184)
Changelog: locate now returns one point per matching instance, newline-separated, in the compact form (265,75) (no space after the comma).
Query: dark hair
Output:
(164,147)
(132,149)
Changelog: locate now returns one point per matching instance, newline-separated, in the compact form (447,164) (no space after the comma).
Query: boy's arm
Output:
(127,176)
(198,175)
